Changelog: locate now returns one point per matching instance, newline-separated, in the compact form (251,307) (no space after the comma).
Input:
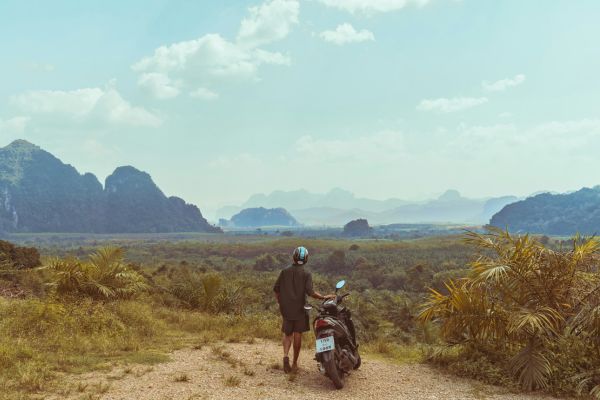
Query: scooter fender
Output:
(326,356)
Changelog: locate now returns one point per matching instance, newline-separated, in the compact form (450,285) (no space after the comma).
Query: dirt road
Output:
(251,371)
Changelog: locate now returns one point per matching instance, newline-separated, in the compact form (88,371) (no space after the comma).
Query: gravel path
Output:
(250,371)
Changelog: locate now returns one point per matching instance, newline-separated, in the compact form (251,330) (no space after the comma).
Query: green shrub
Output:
(523,304)
(105,276)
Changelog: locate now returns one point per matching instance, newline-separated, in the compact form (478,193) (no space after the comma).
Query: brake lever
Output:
(342,297)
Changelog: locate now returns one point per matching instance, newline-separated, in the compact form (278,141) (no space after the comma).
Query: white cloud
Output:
(345,33)
(75,103)
(503,84)
(451,105)
(104,106)
(382,146)
(268,22)
(548,138)
(159,85)
(372,6)
(212,59)
(14,125)
(204,94)
(206,59)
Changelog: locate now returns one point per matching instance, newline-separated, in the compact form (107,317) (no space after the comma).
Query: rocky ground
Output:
(252,371)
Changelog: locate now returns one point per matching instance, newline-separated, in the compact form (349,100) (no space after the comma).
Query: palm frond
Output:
(531,367)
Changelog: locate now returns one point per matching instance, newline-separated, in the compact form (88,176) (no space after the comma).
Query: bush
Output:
(523,303)
(103,277)
(20,257)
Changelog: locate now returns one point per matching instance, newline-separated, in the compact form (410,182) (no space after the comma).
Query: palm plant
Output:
(212,284)
(230,300)
(187,286)
(104,277)
(522,299)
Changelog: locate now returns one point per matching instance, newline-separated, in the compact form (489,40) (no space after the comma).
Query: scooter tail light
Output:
(321,323)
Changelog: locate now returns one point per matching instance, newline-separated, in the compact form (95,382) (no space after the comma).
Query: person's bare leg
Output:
(297,346)
(287,343)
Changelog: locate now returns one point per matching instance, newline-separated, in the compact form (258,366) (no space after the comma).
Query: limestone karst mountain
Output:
(39,193)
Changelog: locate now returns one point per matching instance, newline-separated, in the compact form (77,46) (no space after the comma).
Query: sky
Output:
(219,100)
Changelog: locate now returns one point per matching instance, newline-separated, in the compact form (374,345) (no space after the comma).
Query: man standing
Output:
(291,288)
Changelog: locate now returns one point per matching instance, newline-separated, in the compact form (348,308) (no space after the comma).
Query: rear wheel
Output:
(333,373)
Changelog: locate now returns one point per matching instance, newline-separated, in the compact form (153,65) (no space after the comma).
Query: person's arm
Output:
(311,292)
(319,296)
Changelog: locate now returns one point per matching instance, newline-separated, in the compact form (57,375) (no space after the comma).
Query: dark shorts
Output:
(290,326)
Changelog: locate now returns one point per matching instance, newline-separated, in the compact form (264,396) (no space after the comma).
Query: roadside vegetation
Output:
(526,314)
(89,304)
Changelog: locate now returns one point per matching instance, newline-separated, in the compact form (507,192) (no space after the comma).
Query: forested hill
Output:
(555,214)
(39,193)
(260,216)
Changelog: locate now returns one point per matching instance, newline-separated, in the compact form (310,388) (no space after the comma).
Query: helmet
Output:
(300,255)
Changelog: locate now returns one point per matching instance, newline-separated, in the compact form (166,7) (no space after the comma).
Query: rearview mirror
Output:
(340,284)
(307,307)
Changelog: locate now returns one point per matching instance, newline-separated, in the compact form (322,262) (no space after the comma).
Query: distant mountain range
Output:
(338,207)
(553,214)
(39,193)
(335,198)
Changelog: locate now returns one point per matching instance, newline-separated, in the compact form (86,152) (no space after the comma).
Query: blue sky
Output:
(386,98)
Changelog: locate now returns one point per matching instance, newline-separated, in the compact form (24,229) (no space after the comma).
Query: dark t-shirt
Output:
(293,284)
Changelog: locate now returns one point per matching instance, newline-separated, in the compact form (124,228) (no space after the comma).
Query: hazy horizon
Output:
(384,98)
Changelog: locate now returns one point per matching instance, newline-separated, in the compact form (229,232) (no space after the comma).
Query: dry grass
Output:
(394,351)
(41,339)
(181,378)
(275,366)
(232,381)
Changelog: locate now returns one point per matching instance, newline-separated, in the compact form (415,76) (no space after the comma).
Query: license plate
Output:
(325,344)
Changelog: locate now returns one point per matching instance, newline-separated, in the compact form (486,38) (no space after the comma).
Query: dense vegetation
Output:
(553,214)
(506,320)
(90,304)
(525,312)
(39,193)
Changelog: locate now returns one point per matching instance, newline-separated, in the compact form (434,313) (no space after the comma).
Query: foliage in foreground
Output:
(84,313)
(104,277)
(534,311)
(39,339)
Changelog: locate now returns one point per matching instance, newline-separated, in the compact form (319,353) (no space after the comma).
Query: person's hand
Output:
(329,296)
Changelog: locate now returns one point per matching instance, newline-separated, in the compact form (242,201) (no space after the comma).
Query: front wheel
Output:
(332,371)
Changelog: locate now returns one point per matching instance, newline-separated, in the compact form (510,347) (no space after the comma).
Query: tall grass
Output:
(41,338)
